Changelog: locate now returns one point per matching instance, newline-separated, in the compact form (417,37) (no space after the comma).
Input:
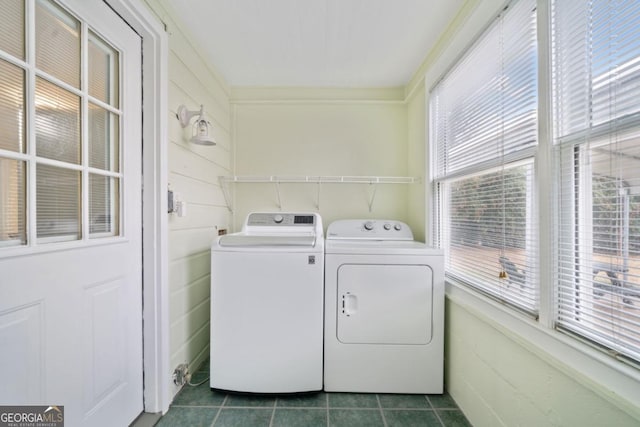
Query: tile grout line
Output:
(327,402)
(384,420)
(215,419)
(273,413)
(434,411)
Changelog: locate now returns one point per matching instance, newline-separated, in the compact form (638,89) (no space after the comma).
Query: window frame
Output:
(32,73)
(611,379)
(582,125)
(510,156)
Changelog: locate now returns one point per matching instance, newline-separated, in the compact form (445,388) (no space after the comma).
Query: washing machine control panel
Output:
(280,219)
(371,229)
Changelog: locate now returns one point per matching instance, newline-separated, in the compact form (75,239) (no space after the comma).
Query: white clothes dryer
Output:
(267,290)
(384,310)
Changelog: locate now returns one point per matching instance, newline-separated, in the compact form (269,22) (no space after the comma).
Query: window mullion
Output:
(30,111)
(84,126)
(544,191)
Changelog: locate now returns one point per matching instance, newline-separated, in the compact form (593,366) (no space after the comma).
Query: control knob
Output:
(278,219)
(368,225)
(387,226)
(397,227)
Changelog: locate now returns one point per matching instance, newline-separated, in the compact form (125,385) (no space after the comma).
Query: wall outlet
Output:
(170,205)
(181,374)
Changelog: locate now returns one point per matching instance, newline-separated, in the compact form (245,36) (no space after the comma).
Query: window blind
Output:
(596,102)
(484,135)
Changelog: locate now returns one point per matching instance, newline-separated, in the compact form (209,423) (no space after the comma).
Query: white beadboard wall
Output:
(193,176)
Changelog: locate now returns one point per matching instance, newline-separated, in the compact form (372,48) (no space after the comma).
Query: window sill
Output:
(609,378)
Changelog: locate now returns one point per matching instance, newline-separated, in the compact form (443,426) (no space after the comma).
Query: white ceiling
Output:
(317,43)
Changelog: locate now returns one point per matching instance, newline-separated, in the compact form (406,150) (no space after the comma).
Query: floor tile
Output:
(441,401)
(355,418)
(200,406)
(204,366)
(237,417)
(200,377)
(316,400)
(198,396)
(300,418)
(195,417)
(400,418)
(403,401)
(241,400)
(453,418)
(352,400)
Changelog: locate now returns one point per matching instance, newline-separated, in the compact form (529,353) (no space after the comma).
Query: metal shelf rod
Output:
(340,179)
(225,181)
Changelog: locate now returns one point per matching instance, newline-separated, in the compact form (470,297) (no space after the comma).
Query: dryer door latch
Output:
(349,304)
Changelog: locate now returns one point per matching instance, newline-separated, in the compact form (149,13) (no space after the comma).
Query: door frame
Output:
(155,280)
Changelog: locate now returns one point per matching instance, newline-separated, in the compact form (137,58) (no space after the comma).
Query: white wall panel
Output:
(190,241)
(417,200)
(497,381)
(187,270)
(321,137)
(189,325)
(187,298)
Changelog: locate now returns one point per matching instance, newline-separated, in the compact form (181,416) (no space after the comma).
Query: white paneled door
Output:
(70,210)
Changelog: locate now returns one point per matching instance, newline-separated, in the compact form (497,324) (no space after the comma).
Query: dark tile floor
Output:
(199,406)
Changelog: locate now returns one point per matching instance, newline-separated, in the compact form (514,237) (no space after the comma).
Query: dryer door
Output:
(384,304)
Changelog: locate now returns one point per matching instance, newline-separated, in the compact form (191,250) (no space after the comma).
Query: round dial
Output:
(368,225)
(387,226)
(278,218)
(397,227)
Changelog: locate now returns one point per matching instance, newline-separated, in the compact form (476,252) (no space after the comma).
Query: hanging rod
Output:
(312,179)
(342,179)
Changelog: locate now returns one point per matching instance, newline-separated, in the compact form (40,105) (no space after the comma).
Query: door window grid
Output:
(25,227)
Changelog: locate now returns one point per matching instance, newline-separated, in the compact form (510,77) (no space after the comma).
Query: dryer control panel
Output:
(369,229)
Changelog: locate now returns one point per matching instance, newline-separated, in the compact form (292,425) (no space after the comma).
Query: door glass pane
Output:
(103,204)
(57,123)
(11,107)
(12,202)
(103,139)
(12,24)
(57,43)
(57,202)
(103,71)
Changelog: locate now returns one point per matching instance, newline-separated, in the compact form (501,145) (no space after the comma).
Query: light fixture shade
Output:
(200,133)
(200,129)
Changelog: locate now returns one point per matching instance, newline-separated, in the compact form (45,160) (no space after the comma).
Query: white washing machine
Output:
(267,307)
(384,310)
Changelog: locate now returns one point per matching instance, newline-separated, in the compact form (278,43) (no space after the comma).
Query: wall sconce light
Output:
(200,128)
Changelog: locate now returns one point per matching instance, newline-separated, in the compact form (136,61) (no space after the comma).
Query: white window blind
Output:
(596,71)
(483,136)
